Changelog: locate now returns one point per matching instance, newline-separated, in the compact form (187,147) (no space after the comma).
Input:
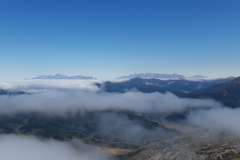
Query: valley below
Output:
(182,142)
(138,119)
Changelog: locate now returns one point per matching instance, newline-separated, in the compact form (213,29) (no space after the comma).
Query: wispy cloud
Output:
(29,147)
(60,102)
(217,120)
(43,85)
(115,126)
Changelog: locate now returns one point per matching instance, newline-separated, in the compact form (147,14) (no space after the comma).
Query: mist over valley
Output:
(119,80)
(125,119)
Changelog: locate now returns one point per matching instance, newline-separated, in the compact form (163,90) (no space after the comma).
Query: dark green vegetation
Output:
(83,126)
(179,87)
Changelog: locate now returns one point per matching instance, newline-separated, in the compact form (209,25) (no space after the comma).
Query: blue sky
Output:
(111,38)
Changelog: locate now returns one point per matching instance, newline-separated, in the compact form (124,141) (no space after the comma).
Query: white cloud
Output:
(59,102)
(119,126)
(217,120)
(43,85)
(15,147)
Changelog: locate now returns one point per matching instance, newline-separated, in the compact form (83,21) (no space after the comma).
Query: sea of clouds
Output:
(58,97)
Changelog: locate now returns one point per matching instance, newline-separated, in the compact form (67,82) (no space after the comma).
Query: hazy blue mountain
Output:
(152,75)
(180,87)
(4,92)
(228,93)
(60,76)
(197,77)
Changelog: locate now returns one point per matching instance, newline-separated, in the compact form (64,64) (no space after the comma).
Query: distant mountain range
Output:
(60,76)
(228,93)
(140,75)
(152,75)
(225,90)
(197,77)
(177,86)
(159,75)
(4,92)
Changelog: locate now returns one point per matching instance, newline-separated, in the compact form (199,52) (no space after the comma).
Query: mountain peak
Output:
(61,76)
(152,75)
(197,77)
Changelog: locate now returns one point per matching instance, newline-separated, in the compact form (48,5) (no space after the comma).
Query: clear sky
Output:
(112,38)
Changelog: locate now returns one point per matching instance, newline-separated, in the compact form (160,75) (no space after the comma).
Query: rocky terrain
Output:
(189,148)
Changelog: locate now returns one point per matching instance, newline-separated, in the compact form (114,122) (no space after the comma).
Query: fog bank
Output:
(37,85)
(16,147)
(60,102)
(119,127)
(217,120)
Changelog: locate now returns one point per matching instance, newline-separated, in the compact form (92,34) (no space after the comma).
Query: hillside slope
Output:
(179,87)
(228,93)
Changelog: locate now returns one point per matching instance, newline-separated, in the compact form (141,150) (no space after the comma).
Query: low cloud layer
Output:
(15,147)
(217,120)
(71,96)
(31,86)
(119,127)
(60,102)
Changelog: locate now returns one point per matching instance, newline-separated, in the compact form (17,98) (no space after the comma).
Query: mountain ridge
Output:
(159,75)
(228,93)
(180,87)
(61,76)
(152,75)
(197,77)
